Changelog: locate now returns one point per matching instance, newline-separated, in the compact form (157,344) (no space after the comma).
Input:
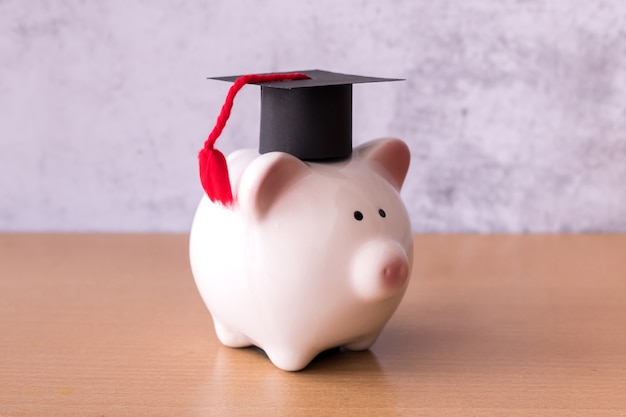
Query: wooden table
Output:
(112,325)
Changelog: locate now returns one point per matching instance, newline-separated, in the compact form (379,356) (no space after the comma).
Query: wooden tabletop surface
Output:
(112,325)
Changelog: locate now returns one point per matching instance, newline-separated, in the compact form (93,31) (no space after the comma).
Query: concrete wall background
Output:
(515,111)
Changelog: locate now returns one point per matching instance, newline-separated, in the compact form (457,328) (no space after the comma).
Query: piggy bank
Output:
(310,256)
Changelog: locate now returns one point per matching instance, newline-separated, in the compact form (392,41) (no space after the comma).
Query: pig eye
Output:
(358,215)
(382,213)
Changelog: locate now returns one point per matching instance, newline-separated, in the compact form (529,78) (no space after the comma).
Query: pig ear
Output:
(393,155)
(266,179)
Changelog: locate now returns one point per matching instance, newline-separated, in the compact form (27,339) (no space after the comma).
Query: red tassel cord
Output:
(213,168)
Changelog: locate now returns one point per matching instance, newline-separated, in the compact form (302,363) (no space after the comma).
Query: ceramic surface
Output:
(310,257)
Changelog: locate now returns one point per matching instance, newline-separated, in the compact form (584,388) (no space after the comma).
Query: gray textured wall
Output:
(515,111)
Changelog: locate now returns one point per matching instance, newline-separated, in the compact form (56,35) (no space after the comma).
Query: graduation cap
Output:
(307,114)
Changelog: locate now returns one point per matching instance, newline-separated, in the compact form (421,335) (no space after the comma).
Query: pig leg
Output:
(362,343)
(290,359)
(229,337)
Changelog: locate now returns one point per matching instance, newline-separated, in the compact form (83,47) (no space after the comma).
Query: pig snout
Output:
(395,272)
(380,269)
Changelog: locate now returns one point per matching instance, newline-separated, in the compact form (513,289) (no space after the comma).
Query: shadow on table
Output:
(335,379)
(331,360)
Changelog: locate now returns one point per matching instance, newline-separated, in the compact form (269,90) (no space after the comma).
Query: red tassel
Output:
(213,168)
(214,176)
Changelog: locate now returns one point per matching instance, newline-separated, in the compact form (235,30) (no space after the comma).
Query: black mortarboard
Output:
(309,118)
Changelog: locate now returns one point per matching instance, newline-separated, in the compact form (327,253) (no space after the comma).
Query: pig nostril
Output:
(390,271)
(395,274)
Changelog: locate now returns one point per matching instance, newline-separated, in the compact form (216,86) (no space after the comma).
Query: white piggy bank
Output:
(310,256)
